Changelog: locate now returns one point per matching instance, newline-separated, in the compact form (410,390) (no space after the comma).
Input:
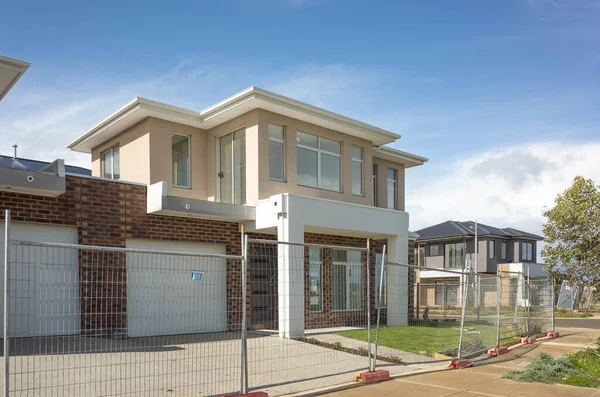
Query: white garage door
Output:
(44,287)
(162,296)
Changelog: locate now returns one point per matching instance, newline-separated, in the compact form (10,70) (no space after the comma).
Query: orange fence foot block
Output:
(460,364)
(371,377)
(554,334)
(528,341)
(496,351)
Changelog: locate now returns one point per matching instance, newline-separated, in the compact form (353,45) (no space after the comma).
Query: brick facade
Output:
(107,213)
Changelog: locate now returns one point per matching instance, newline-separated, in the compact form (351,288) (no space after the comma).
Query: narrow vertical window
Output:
(374,185)
(111,167)
(357,171)
(503,252)
(180,155)
(347,280)
(276,152)
(316,280)
(392,191)
(491,249)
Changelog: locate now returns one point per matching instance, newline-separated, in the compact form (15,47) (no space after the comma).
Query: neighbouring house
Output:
(450,247)
(177,179)
(11,70)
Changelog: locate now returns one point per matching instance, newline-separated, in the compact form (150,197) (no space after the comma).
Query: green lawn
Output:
(430,337)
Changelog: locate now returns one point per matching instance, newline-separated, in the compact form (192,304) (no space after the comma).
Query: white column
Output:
(397,311)
(290,272)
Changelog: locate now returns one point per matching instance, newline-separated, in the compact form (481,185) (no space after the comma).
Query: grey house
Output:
(446,245)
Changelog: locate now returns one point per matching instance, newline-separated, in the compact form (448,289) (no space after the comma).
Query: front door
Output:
(232,167)
(263,287)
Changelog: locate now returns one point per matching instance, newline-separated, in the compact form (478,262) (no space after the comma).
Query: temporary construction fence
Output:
(105,321)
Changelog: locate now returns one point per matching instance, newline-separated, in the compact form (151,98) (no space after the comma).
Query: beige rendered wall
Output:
(268,187)
(134,151)
(382,168)
(161,159)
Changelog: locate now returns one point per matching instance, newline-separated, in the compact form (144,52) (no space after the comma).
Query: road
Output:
(591,323)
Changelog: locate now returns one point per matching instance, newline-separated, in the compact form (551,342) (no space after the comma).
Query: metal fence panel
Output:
(308,315)
(94,321)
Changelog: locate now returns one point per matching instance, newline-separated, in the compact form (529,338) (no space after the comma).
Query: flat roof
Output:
(11,70)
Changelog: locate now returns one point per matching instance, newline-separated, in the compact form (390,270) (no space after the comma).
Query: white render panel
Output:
(45,282)
(162,299)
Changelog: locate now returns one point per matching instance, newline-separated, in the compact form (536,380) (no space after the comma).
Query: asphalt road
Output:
(593,323)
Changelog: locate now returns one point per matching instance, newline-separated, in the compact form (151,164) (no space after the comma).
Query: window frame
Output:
(437,250)
(464,248)
(374,183)
(283,156)
(395,190)
(189,161)
(112,162)
(503,250)
(320,264)
(319,152)
(526,257)
(347,266)
(491,248)
(360,161)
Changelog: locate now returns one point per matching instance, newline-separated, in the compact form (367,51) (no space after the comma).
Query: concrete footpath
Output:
(485,378)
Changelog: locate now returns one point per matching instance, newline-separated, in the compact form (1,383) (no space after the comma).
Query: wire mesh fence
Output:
(106,321)
(286,317)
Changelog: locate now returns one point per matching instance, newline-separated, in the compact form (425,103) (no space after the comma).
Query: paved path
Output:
(593,323)
(485,379)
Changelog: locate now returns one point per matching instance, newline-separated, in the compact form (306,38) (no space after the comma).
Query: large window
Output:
(347,280)
(319,162)
(392,182)
(180,154)
(491,249)
(276,152)
(111,167)
(454,255)
(378,280)
(316,279)
(232,167)
(503,251)
(357,171)
(527,251)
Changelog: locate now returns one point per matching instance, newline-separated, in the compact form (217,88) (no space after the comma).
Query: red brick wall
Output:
(107,213)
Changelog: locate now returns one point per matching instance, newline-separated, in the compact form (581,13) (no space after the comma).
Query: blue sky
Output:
(502,96)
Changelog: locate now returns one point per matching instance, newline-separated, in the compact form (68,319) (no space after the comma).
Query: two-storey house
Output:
(268,163)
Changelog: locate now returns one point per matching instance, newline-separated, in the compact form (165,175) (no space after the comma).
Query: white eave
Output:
(11,70)
(234,106)
(398,156)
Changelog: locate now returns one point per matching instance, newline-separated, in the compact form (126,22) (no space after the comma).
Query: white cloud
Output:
(503,188)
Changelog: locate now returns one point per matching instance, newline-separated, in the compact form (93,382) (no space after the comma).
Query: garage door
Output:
(162,296)
(44,285)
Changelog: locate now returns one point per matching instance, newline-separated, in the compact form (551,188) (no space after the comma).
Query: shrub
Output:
(363,352)
(579,380)
(544,368)
(337,346)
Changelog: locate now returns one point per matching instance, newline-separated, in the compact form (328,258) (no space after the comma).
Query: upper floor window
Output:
(434,250)
(527,251)
(454,255)
(491,249)
(392,182)
(276,152)
(503,252)
(374,178)
(180,155)
(111,167)
(357,170)
(420,256)
(319,162)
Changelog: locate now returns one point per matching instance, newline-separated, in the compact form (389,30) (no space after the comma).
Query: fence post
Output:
(6,301)
(418,298)
(463,314)
(244,355)
(554,307)
(499,304)
(369,301)
(379,307)
(528,304)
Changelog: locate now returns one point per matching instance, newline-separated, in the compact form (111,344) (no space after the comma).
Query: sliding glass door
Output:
(232,167)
